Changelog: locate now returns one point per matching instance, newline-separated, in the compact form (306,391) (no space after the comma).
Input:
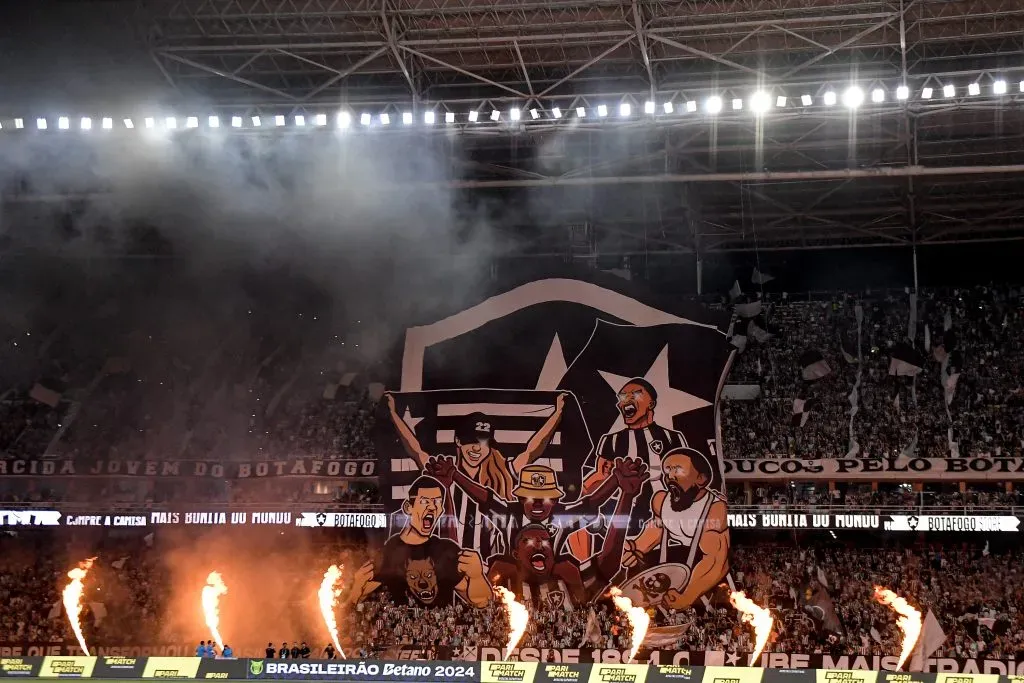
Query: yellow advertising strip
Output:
(171,667)
(732,674)
(619,673)
(507,672)
(67,667)
(845,676)
(966,678)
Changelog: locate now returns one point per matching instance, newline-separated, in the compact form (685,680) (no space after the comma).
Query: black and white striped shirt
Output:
(649,444)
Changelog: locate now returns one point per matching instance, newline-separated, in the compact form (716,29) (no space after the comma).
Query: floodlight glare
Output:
(19,123)
(806,100)
(148,122)
(878,95)
(407,118)
(669,107)
(300,120)
(192,122)
(829,98)
(343,119)
(236,121)
(974,89)
(926,93)
(714,104)
(853,97)
(581,112)
(948,90)
(257,122)
(761,102)
(1021,86)
(602,110)
(86,123)
(691,106)
(214,122)
(780,101)
(495,115)
(473,116)
(429,117)
(625,109)
(320,120)
(514,113)
(902,92)
(648,107)
(63,123)
(107,123)
(171,123)
(737,104)
(999,87)
(385,118)
(129,124)
(449,117)
(41,124)
(279,120)
(556,112)
(365,119)
(534,114)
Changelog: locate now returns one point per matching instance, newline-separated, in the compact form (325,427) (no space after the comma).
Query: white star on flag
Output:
(408,419)
(671,402)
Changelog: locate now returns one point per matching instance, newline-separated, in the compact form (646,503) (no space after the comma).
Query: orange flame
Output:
(330,589)
(73,599)
(212,591)
(755,615)
(518,617)
(909,620)
(639,620)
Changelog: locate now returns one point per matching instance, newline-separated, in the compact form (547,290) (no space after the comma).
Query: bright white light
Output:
(236,121)
(760,102)
(449,117)
(829,98)
(279,120)
(429,117)
(192,122)
(514,113)
(19,123)
(534,114)
(1021,86)
(902,92)
(407,118)
(806,100)
(625,109)
(385,118)
(148,122)
(495,115)
(581,112)
(737,104)
(41,124)
(473,116)
(853,97)
(714,104)
(926,93)
(669,107)
(878,96)
(171,123)
(63,123)
(648,107)
(86,123)
(556,112)
(780,101)
(365,119)
(602,110)
(343,119)
(107,123)
(129,124)
(691,106)
(320,120)
(999,87)
(214,122)
(257,122)
(948,90)
(300,120)
(974,89)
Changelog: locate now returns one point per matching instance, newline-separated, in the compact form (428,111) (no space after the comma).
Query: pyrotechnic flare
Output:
(909,620)
(330,590)
(755,615)
(212,591)
(518,617)
(73,599)
(639,620)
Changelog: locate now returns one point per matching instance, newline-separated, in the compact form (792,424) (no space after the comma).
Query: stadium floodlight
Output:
(407,118)
(449,117)
(107,123)
(300,120)
(365,119)
(556,112)
(495,115)
(999,87)
(534,114)
(625,109)
(63,122)
(760,102)
(86,123)
(19,123)
(780,101)
(385,119)
(829,98)
(236,121)
(878,96)
(149,122)
(41,124)
(320,120)
(192,122)
(926,93)
(602,110)
(129,124)
(974,89)
(648,107)
(902,92)
(257,122)
(429,117)
(474,116)
(214,122)
(344,119)
(668,107)
(279,120)
(171,123)
(581,112)
(806,100)
(737,104)
(1021,86)
(713,104)
(948,90)
(853,97)
(514,113)
(691,106)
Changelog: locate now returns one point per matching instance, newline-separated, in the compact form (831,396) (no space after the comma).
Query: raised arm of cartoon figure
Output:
(363,584)
(630,474)
(409,441)
(541,438)
(474,587)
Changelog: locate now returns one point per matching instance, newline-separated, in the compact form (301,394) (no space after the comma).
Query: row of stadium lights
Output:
(760,102)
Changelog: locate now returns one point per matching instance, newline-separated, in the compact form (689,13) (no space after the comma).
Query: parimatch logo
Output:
(843,677)
(959,679)
(508,673)
(618,674)
(681,671)
(561,673)
(725,680)
(66,667)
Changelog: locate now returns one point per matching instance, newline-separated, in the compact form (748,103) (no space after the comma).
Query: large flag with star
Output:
(520,407)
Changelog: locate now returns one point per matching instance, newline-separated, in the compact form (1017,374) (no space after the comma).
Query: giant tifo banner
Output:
(556,439)
(899,469)
(214,469)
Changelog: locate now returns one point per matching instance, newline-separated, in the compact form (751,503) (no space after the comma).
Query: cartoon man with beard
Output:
(688,526)
(416,563)
(545,577)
